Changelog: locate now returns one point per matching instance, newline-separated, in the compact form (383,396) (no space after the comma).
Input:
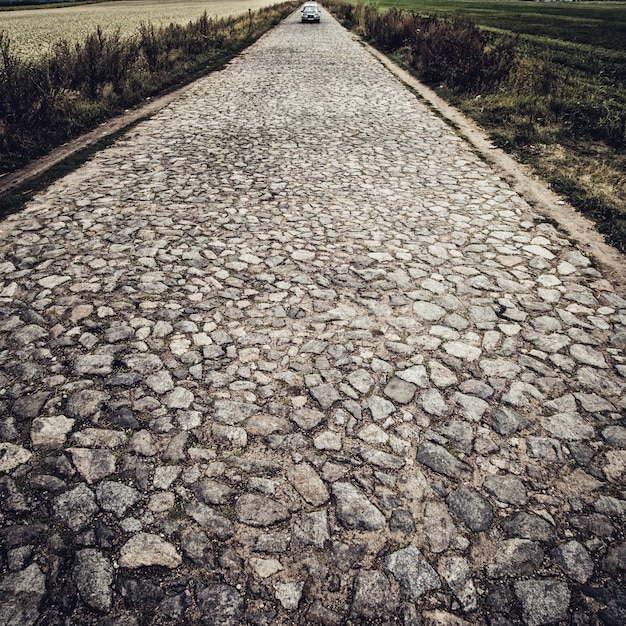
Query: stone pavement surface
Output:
(291,353)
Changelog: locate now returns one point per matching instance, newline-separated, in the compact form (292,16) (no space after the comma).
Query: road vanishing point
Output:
(291,352)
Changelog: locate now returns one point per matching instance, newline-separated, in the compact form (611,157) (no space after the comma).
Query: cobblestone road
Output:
(290,353)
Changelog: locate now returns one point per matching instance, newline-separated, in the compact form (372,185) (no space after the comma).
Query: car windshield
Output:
(310,9)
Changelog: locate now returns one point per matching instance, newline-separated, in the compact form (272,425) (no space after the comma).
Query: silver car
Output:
(310,13)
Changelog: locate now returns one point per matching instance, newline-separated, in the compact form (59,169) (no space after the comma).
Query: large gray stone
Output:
(474,510)
(257,510)
(543,601)
(146,549)
(354,510)
(93,575)
(220,604)
(413,572)
(21,595)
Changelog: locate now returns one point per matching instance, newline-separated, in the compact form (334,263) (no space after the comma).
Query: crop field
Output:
(34,31)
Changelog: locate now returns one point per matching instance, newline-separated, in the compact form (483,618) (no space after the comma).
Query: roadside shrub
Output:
(449,51)
(458,54)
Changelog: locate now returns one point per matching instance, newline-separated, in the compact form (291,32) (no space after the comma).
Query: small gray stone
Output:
(574,560)
(93,575)
(93,365)
(12,456)
(381,459)
(160,382)
(326,395)
(400,390)
(146,549)
(289,594)
(85,403)
(179,398)
(142,363)
(506,421)
(307,419)
(456,572)
(21,595)
(232,413)
(361,380)
(50,432)
(544,448)
(440,460)
(433,403)
(588,356)
(213,492)
(506,488)
(312,530)
(29,406)
(308,484)
(516,557)
(543,601)
(570,426)
(380,408)
(354,510)
(438,526)
(470,407)
(211,520)
(413,572)
(93,465)
(220,604)
(116,497)
(225,435)
(256,510)
(76,508)
(416,375)
(372,597)
(474,510)
(529,526)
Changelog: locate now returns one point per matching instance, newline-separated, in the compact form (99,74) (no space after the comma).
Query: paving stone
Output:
(440,460)
(516,557)
(457,574)
(507,488)
(413,572)
(146,549)
(354,510)
(220,604)
(543,601)
(269,346)
(93,575)
(474,510)
(22,594)
(373,597)
(255,510)
(400,390)
(76,508)
(574,560)
(289,594)
(212,521)
(308,484)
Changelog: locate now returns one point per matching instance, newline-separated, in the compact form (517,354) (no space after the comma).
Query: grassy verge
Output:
(547,81)
(47,102)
